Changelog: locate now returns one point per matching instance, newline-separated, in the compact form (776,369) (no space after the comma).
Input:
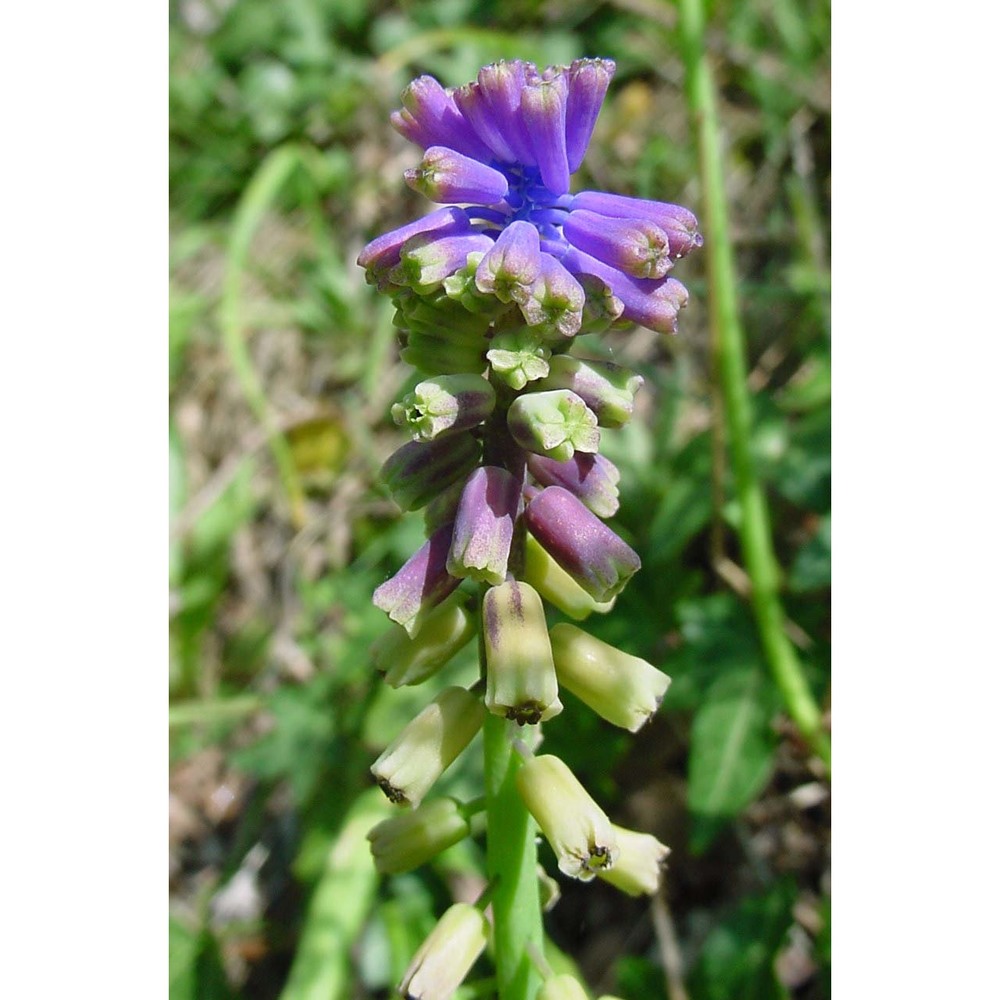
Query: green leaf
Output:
(732,747)
(811,568)
(737,959)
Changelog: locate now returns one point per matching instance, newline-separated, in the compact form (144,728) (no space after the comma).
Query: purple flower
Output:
(503,148)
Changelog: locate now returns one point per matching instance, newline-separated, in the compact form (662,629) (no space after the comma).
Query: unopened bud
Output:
(641,858)
(404,660)
(401,843)
(520,677)
(518,357)
(555,303)
(607,389)
(447,955)
(575,826)
(425,261)
(427,746)
(591,478)
(512,266)
(484,525)
(417,472)
(445,404)
(623,689)
(447,177)
(555,424)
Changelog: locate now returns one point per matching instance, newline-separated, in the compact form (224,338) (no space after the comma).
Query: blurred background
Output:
(283,367)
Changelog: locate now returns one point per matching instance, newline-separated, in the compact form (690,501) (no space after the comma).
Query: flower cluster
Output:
(490,292)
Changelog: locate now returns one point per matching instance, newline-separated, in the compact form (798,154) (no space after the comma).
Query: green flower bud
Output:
(424,750)
(556,424)
(575,826)
(607,389)
(623,689)
(556,585)
(520,678)
(407,841)
(461,287)
(518,357)
(562,987)
(447,955)
(641,858)
(405,660)
(445,404)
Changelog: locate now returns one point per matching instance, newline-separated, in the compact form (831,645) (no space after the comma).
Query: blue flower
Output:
(500,152)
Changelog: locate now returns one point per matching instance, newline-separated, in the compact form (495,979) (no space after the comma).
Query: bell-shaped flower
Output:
(404,842)
(581,543)
(428,745)
(556,586)
(641,858)
(484,525)
(410,596)
(447,955)
(556,424)
(520,676)
(589,477)
(513,265)
(621,688)
(405,660)
(575,826)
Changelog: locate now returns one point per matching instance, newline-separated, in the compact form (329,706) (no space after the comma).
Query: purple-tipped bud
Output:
(512,266)
(426,748)
(381,255)
(418,471)
(555,304)
(519,357)
(484,525)
(581,543)
(445,404)
(641,858)
(431,118)
(680,225)
(520,677)
(447,955)
(556,586)
(623,689)
(573,823)
(425,261)
(637,247)
(543,110)
(404,660)
(589,477)
(555,424)
(447,176)
(475,108)
(653,304)
(588,84)
(501,85)
(608,389)
(602,306)
(421,585)
(405,842)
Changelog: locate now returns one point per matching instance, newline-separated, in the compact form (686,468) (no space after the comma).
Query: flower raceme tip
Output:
(499,153)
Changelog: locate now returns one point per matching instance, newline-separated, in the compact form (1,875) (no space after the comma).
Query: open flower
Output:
(499,152)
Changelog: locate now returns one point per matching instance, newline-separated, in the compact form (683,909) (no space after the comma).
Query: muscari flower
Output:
(499,153)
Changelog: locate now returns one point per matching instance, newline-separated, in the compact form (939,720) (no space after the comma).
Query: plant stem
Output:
(511,863)
(754,525)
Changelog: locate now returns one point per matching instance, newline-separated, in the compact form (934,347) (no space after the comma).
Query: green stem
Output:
(754,526)
(512,865)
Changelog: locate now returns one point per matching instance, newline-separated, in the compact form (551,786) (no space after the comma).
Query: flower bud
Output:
(601,308)
(520,677)
(680,225)
(607,389)
(562,987)
(573,823)
(425,261)
(447,955)
(635,246)
(427,746)
(437,356)
(407,841)
(430,118)
(406,661)
(543,110)
(461,288)
(513,265)
(589,477)
(500,84)
(446,176)
(555,302)
(556,586)
(418,471)
(641,858)
(421,585)
(475,107)
(445,404)
(518,357)
(380,256)
(484,525)
(588,83)
(586,548)
(621,688)
(555,423)
(443,508)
